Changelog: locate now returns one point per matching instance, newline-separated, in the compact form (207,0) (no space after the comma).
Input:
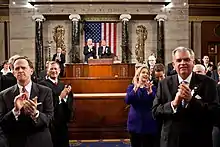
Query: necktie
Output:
(183,101)
(23,90)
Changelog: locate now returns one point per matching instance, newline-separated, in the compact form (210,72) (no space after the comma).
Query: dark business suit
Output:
(215,75)
(7,81)
(88,53)
(63,113)
(106,53)
(190,126)
(3,140)
(24,132)
(61,62)
(216,128)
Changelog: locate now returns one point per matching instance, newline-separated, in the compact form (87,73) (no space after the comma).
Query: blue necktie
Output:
(183,101)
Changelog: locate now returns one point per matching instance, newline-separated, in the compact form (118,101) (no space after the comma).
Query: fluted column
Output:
(126,53)
(74,55)
(39,54)
(160,18)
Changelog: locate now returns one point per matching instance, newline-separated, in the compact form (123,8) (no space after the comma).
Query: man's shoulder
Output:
(8,90)
(42,88)
(204,79)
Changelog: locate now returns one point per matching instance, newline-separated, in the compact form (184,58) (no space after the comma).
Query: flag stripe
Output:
(110,34)
(115,36)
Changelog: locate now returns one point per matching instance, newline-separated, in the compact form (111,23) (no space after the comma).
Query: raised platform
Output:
(99,116)
(99,92)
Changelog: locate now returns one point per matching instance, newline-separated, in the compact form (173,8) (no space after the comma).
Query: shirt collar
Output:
(27,88)
(52,80)
(188,79)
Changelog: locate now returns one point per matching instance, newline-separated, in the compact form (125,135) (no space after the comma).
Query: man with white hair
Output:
(186,104)
(151,63)
(89,51)
(199,69)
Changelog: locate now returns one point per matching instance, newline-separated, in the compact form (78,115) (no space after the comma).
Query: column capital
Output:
(125,17)
(161,17)
(38,17)
(74,17)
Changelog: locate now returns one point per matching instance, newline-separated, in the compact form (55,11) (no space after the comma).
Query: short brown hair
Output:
(159,67)
(25,58)
(53,62)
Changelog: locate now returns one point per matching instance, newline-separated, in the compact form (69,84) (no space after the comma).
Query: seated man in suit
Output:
(186,104)
(26,109)
(59,57)
(63,105)
(104,51)
(89,51)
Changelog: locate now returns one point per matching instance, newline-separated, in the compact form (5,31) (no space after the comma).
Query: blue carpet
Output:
(101,144)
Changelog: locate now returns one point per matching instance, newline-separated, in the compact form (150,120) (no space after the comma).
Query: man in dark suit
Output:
(208,66)
(8,79)
(89,51)
(63,106)
(104,51)
(26,109)
(60,58)
(186,103)
(170,69)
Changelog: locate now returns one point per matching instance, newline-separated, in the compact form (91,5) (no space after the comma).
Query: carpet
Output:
(100,143)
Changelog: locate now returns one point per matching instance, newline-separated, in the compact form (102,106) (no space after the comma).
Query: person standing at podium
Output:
(104,51)
(89,51)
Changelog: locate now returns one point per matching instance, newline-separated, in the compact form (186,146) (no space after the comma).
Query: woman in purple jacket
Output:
(140,95)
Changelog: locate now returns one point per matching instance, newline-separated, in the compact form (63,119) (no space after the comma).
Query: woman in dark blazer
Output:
(140,95)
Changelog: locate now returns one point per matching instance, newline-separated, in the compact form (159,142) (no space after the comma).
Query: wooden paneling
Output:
(208,35)
(204,2)
(100,70)
(98,85)
(99,118)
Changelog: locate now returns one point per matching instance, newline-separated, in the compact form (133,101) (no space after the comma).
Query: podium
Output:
(99,89)
(100,68)
(100,61)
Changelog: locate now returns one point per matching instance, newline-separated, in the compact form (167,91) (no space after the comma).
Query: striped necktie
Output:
(183,101)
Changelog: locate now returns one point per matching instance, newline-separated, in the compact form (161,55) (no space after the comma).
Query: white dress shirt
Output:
(28,90)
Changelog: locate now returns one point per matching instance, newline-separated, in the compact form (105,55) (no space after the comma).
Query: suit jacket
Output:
(191,126)
(89,54)
(140,118)
(107,53)
(25,132)
(7,81)
(215,75)
(63,112)
(61,62)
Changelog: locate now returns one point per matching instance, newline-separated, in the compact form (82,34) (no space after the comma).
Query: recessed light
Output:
(13,3)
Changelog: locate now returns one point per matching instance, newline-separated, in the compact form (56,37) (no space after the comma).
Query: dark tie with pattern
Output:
(183,101)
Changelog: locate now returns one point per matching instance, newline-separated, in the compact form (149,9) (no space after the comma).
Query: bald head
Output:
(199,69)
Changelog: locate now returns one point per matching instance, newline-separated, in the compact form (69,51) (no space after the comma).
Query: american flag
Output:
(98,31)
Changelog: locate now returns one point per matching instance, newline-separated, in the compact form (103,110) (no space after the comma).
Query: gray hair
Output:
(12,58)
(183,49)
(218,68)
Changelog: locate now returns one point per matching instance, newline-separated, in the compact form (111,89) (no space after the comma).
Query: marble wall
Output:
(22,28)
(2,43)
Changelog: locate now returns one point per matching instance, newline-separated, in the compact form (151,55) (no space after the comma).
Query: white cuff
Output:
(174,109)
(16,113)
(65,99)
